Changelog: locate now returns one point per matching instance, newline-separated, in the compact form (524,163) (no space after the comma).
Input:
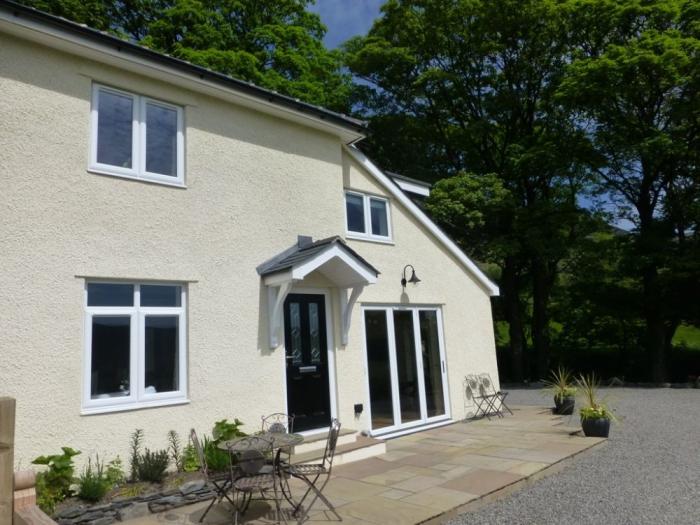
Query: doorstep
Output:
(362,447)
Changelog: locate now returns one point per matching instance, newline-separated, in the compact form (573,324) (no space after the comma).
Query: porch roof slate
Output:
(305,250)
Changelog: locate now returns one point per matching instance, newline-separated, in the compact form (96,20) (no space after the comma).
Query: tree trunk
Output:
(542,281)
(655,329)
(513,313)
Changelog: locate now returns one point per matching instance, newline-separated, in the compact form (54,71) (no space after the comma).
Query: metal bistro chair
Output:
(496,398)
(249,475)
(471,388)
(221,481)
(311,473)
(280,423)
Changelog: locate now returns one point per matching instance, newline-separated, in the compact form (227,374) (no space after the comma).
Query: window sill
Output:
(106,173)
(366,238)
(90,411)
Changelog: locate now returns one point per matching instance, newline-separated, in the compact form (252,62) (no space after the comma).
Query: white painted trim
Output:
(275,301)
(423,219)
(138,139)
(334,251)
(411,187)
(367,235)
(332,378)
(398,433)
(68,42)
(346,308)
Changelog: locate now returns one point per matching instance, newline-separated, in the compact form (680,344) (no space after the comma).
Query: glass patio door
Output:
(406,367)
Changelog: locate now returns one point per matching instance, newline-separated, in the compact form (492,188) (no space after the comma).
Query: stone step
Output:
(317,440)
(362,448)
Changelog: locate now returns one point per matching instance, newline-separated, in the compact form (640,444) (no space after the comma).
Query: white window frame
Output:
(137,398)
(425,420)
(138,140)
(367,235)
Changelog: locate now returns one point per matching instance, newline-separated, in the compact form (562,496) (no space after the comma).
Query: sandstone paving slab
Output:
(482,481)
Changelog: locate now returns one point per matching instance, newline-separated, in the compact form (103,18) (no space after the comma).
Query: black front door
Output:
(308,394)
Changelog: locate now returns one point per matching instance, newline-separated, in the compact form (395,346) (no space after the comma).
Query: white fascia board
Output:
(55,38)
(422,218)
(410,187)
(301,271)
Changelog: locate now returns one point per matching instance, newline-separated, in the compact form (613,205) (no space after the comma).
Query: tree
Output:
(635,90)
(457,86)
(276,44)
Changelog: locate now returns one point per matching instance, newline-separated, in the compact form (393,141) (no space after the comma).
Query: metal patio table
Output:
(277,439)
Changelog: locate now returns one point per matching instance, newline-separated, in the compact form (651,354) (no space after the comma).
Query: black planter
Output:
(564,405)
(596,427)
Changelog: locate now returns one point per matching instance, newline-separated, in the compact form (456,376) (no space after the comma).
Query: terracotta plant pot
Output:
(564,405)
(599,427)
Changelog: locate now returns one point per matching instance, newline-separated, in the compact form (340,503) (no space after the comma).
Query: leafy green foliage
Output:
(560,383)
(115,472)
(53,485)
(93,482)
(135,447)
(190,463)
(594,408)
(276,44)
(224,430)
(175,450)
(152,465)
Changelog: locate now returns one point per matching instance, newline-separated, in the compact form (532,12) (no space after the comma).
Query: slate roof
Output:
(305,250)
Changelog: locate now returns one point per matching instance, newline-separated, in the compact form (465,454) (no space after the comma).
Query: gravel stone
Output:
(647,473)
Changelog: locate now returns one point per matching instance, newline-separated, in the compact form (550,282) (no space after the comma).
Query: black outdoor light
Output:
(414,278)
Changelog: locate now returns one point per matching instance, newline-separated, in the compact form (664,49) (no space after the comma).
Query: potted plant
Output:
(595,416)
(560,384)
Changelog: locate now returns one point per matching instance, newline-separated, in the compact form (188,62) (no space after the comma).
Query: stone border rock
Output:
(123,509)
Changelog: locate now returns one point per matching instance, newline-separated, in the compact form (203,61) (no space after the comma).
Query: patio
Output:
(434,474)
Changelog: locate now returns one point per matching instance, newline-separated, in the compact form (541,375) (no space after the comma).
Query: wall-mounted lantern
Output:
(414,278)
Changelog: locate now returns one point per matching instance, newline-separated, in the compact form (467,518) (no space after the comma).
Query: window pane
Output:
(379,369)
(114,129)
(109,375)
(380,224)
(406,365)
(161,140)
(160,295)
(432,364)
(355,211)
(161,347)
(101,294)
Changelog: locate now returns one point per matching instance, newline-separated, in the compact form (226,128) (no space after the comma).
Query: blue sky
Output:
(346,18)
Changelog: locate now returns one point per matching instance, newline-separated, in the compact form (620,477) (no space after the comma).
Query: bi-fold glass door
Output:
(406,367)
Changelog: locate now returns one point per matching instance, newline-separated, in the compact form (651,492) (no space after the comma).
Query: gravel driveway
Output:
(647,473)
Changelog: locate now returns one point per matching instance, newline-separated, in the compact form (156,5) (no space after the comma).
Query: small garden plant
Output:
(594,408)
(54,484)
(560,383)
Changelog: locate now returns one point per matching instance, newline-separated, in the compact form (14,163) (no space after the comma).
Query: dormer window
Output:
(367,217)
(136,136)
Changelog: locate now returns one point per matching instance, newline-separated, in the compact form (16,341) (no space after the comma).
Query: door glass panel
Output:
(161,354)
(407,371)
(161,140)
(295,327)
(314,335)
(110,357)
(432,364)
(114,129)
(379,369)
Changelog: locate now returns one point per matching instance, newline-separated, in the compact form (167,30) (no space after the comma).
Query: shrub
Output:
(190,462)
(136,439)
(217,459)
(115,472)
(151,466)
(93,483)
(175,450)
(224,430)
(53,485)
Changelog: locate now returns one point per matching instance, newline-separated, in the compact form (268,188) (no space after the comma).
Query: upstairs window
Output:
(134,345)
(367,216)
(136,136)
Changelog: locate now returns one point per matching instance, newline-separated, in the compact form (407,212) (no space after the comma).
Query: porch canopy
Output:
(332,258)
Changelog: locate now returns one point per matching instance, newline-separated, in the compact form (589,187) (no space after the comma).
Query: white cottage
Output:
(180,247)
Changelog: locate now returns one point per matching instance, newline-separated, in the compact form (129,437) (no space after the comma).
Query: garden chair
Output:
(250,476)
(496,399)
(221,481)
(280,422)
(317,475)
(473,392)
